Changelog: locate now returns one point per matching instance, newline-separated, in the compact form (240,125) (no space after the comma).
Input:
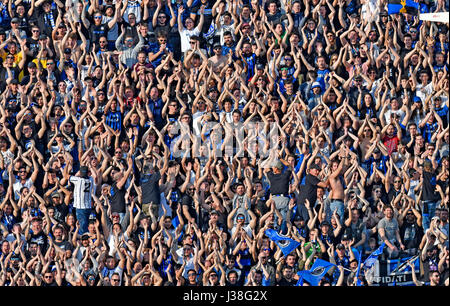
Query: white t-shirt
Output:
(82,191)
(185,36)
(134,6)
(196,121)
(17,186)
(424,91)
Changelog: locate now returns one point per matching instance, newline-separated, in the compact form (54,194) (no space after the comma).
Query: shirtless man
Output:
(367,136)
(217,61)
(337,189)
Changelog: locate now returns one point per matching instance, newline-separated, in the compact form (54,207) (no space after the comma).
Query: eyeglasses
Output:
(97,17)
(173,105)
(192,42)
(115,280)
(35,31)
(397,181)
(412,31)
(162,17)
(191,274)
(48,276)
(10,57)
(129,40)
(213,275)
(118,152)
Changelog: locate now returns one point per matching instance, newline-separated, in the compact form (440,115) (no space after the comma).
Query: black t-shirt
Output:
(309,190)
(65,245)
(33,45)
(392,194)
(96,31)
(150,188)
(41,240)
(429,187)
(411,234)
(187,200)
(285,282)
(61,212)
(118,199)
(279,183)
(15,71)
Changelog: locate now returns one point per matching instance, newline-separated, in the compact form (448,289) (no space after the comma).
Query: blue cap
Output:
(417,99)
(316,84)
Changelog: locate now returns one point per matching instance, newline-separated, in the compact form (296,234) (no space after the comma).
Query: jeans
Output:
(337,205)
(428,213)
(83,218)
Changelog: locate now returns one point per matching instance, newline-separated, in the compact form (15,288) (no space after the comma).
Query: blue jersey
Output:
(114,120)
(250,63)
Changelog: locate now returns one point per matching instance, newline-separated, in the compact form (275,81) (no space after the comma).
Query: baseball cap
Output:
(416,99)
(85,237)
(15,20)
(56,194)
(315,84)
(42,37)
(217,45)
(14,81)
(245,24)
(345,237)
(314,166)
(324,223)
(67,50)
(298,218)
(376,150)
(214,212)
(383,13)
(260,67)
(32,65)
(340,246)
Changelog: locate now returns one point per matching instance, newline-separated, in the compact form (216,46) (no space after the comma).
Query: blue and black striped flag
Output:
(403,6)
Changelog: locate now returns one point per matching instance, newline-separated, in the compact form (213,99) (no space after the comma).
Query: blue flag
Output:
(175,221)
(403,6)
(370,261)
(358,282)
(286,244)
(315,274)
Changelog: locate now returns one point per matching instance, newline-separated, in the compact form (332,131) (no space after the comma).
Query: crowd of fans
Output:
(152,143)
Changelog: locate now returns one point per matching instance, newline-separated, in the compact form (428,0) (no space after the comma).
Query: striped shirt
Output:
(82,191)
